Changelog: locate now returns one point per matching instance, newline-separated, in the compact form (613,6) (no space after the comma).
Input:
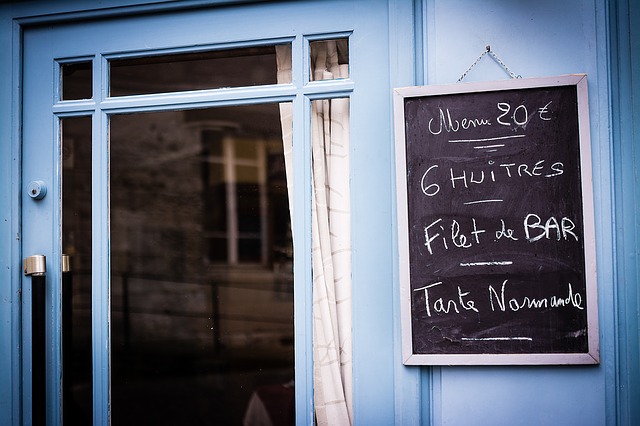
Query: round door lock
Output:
(37,189)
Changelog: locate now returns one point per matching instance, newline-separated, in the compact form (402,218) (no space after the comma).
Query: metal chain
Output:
(488,50)
(473,65)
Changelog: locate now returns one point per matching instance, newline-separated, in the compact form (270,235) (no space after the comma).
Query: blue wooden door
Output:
(156,137)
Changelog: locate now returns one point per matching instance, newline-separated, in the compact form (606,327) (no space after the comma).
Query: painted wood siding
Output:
(533,39)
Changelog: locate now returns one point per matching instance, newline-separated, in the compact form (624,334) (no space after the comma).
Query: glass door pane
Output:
(76,271)
(201,266)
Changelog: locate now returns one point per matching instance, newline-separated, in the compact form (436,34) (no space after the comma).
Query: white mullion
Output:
(232,206)
(100,253)
(190,99)
(301,224)
(263,191)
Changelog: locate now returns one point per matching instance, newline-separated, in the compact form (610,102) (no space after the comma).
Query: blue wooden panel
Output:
(625,43)
(533,39)
(371,191)
(10,271)
(520,396)
(411,395)
(40,232)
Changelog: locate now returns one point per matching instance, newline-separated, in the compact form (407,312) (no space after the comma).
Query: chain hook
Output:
(492,53)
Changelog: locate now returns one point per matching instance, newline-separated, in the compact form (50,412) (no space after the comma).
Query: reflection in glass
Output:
(76,283)
(76,81)
(248,66)
(201,254)
(329,59)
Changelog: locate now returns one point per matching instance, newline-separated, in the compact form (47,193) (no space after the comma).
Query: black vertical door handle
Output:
(35,267)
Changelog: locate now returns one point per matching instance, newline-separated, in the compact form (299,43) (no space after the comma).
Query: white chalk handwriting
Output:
(506,115)
(501,172)
(450,299)
(450,234)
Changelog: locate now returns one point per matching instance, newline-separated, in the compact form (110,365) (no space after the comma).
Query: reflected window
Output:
(201,255)
(247,176)
(248,66)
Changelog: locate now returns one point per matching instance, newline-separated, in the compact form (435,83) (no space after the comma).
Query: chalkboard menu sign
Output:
(495,215)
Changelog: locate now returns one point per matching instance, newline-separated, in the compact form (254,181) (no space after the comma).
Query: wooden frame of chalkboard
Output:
(495,223)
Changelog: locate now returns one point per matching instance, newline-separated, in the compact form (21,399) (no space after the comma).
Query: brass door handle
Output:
(66,263)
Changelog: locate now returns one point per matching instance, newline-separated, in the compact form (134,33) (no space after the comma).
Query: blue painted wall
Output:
(625,94)
(533,39)
(9,229)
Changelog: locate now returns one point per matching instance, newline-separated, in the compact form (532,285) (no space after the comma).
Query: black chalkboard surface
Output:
(495,216)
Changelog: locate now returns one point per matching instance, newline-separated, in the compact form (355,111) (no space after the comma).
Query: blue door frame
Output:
(625,96)
(385,391)
(364,21)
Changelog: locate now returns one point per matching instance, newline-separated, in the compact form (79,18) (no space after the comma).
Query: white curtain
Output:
(331,236)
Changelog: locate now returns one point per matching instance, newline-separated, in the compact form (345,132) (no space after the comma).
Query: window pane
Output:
(76,283)
(249,213)
(329,59)
(76,81)
(249,66)
(202,302)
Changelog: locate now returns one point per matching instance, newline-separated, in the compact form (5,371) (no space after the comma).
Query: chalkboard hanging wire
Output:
(498,60)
